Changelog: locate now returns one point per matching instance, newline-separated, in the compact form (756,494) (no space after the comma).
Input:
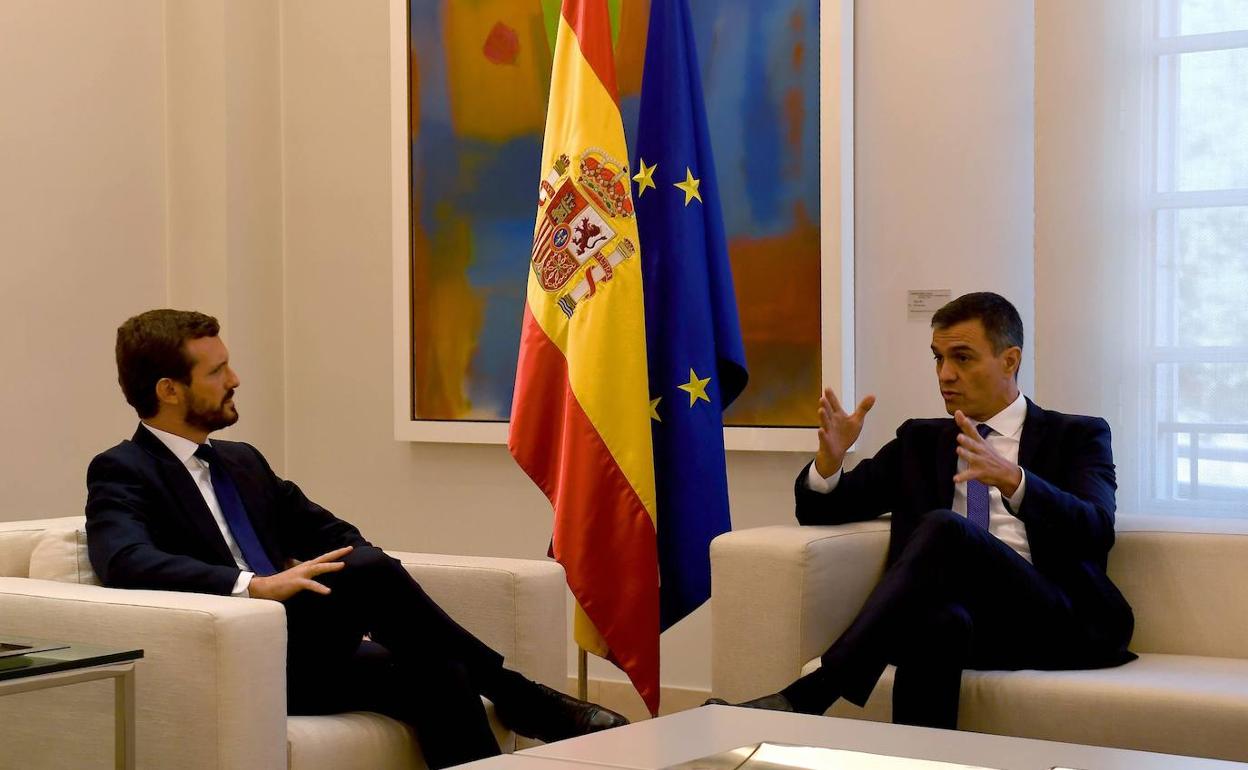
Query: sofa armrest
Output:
(780,595)
(210,689)
(516,606)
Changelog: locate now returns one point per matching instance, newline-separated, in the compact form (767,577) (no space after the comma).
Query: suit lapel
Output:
(190,501)
(1034,427)
(947,464)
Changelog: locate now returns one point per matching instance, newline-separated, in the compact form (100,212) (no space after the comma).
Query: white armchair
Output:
(210,691)
(781,596)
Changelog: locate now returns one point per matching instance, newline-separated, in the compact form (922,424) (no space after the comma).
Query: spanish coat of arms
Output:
(574,243)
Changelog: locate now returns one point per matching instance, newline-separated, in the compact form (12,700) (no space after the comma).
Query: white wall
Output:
(82,233)
(1089,142)
(274,119)
(944,183)
(223,119)
(140,148)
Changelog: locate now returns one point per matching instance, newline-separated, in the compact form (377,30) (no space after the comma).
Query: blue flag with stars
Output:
(693,338)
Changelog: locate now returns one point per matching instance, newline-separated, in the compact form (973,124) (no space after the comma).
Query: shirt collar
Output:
(182,448)
(1009,421)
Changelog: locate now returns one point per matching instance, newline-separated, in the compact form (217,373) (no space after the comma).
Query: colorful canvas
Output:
(479,80)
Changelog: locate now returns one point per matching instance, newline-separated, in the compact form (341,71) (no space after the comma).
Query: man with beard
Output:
(171,510)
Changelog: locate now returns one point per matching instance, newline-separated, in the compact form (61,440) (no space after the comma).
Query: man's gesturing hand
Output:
(983,462)
(837,431)
(300,577)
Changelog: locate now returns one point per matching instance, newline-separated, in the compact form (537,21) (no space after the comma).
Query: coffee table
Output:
(74,663)
(669,740)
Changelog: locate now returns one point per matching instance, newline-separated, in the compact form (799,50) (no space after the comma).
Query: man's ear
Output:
(1013,359)
(167,391)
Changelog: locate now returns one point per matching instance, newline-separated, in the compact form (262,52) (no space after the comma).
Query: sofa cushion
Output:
(18,540)
(361,740)
(1165,703)
(15,548)
(1187,581)
(61,554)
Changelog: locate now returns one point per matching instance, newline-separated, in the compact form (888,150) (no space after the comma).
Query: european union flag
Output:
(693,338)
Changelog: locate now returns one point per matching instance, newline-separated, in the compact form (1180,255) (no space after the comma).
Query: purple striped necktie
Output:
(977,491)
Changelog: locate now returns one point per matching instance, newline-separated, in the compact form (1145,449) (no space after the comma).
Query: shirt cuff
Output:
(821,485)
(1016,499)
(242,585)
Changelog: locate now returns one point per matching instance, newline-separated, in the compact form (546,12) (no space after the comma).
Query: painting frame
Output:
(836,218)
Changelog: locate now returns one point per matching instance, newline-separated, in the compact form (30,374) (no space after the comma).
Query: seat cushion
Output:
(1175,704)
(361,740)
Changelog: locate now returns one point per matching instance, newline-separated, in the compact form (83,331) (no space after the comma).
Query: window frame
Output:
(1162,453)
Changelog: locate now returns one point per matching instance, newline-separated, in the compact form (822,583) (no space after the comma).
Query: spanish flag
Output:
(580,420)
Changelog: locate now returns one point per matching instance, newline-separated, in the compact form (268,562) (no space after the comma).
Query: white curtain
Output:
(1142,240)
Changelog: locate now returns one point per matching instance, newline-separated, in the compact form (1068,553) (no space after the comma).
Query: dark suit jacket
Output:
(149,527)
(1067,509)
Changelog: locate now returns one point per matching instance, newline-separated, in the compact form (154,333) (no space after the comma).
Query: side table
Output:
(73,664)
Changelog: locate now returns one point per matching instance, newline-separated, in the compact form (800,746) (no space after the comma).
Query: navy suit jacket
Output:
(1067,509)
(149,527)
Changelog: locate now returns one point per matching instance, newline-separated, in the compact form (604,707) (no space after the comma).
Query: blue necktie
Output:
(235,514)
(977,491)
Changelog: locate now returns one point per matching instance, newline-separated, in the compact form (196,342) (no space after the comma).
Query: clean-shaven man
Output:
(1002,522)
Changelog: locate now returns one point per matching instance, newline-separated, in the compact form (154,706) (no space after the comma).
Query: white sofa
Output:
(782,594)
(210,690)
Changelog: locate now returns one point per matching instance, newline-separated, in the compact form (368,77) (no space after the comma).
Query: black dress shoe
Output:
(552,716)
(773,702)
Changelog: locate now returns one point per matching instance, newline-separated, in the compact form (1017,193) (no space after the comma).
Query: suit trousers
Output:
(421,667)
(955,598)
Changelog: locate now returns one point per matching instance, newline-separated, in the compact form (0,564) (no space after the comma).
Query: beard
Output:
(210,417)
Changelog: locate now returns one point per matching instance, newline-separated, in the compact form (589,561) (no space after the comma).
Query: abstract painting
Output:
(478,80)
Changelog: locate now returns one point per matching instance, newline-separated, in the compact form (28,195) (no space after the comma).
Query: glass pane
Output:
(1197,17)
(1202,277)
(1204,393)
(1221,467)
(1203,144)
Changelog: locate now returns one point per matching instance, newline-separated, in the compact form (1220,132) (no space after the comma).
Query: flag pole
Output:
(582,673)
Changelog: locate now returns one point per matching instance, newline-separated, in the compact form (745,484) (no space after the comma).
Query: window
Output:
(1196,232)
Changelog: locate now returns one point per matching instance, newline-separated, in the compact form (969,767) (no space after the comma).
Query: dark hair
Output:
(151,346)
(1001,321)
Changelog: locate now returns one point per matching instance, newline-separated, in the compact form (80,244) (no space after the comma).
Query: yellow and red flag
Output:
(580,419)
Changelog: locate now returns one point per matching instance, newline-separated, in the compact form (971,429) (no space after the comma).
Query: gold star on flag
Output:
(690,187)
(654,409)
(645,177)
(696,388)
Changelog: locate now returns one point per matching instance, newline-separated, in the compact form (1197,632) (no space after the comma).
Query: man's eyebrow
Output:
(956,349)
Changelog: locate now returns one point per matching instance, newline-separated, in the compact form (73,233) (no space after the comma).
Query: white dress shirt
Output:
(184,450)
(1007,432)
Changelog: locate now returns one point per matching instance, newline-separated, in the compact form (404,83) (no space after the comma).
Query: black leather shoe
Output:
(773,702)
(553,716)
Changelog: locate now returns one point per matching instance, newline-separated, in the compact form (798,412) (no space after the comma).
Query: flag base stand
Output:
(582,673)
